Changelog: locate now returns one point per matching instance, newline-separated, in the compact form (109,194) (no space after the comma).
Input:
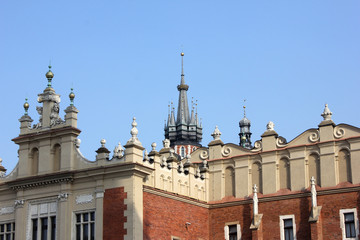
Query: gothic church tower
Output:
(184,132)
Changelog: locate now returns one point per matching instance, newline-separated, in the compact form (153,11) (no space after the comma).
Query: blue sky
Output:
(287,58)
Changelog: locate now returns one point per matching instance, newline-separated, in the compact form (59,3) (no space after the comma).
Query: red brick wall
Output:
(165,217)
(299,207)
(113,213)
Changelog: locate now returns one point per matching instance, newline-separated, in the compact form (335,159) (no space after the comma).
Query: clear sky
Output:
(287,58)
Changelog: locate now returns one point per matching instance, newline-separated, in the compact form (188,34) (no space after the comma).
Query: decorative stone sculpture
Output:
(166,143)
(77,142)
(313,192)
(146,156)
(102,142)
(134,132)
(118,151)
(153,146)
(327,113)
(40,112)
(270,126)
(255,201)
(216,134)
(54,115)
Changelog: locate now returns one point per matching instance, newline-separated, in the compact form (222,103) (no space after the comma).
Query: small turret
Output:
(245,134)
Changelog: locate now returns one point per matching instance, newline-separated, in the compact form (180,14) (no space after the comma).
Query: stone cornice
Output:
(40,181)
(174,196)
(45,133)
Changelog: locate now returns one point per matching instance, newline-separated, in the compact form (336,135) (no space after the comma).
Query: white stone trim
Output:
(282,233)
(238,230)
(342,223)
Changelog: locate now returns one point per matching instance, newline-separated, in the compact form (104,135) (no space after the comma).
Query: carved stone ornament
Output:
(257,146)
(166,143)
(118,151)
(255,201)
(216,134)
(314,137)
(134,132)
(204,155)
(19,203)
(49,97)
(40,112)
(225,151)
(163,162)
(327,113)
(6,210)
(270,126)
(313,192)
(83,199)
(281,142)
(63,196)
(339,132)
(54,116)
(77,142)
(153,146)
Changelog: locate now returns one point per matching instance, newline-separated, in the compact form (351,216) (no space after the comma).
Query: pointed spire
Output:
(172,117)
(192,118)
(182,68)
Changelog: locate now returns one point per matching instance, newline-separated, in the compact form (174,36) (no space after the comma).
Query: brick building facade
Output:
(307,188)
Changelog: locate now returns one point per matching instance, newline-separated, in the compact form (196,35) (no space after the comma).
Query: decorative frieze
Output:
(83,199)
(6,210)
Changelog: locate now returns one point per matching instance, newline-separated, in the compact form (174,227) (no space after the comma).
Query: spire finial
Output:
(26,106)
(72,96)
(49,75)
(327,113)
(244,108)
(182,64)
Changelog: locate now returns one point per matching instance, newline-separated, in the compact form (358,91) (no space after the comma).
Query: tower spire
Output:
(182,69)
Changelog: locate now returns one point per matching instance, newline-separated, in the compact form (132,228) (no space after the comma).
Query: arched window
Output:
(182,149)
(284,173)
(344,166)
(34,162)
(229,182)
(57,157)
(256,176)
(314,168)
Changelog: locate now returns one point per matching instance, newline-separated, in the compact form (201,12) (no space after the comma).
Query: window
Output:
(287,227)
(7,231)
(349,223)
(182,151)
(85,226)
(232,231)
(43,221)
